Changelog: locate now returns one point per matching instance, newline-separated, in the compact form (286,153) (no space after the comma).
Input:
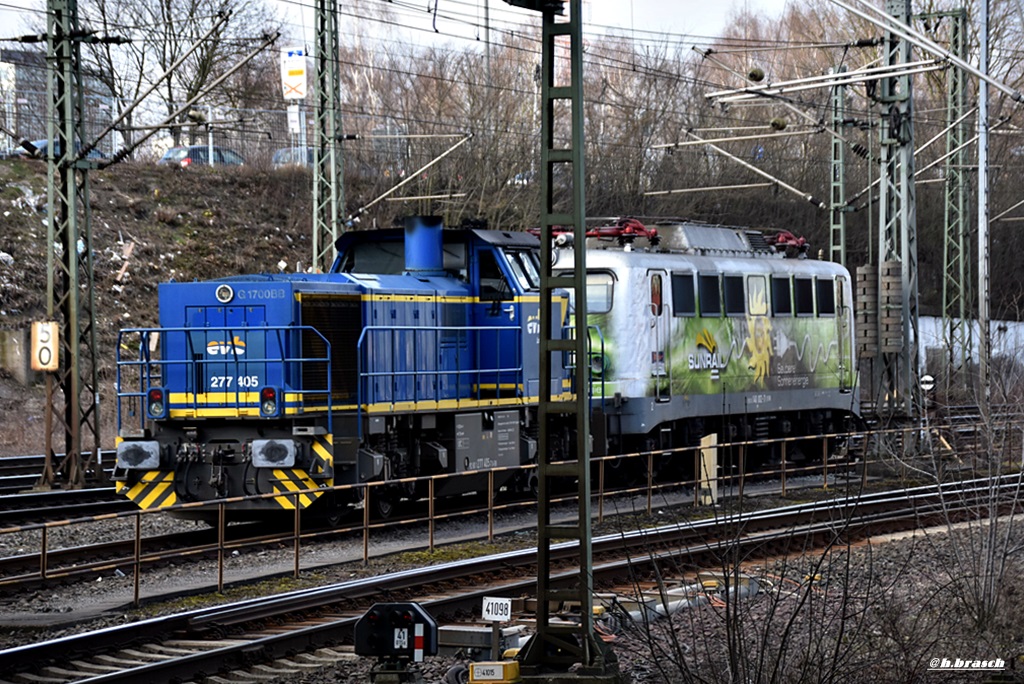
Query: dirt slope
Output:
(149,224)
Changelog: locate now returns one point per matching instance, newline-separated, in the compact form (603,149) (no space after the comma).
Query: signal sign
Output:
(293,73)
(44,346)
(396,630)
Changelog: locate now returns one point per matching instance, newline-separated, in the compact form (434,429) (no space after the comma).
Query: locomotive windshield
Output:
(387,257)
(525,267)
(600,291)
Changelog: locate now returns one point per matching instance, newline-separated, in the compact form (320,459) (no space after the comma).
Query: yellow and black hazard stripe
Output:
(287,482)
(323,457)
(155,489)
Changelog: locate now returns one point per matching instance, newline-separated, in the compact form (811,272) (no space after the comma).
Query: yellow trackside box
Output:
(505,672)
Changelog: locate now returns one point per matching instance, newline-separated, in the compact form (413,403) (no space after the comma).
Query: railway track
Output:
(18,474)
(55,564)
(299,629)
(21,473)
(23,572)
(61,504)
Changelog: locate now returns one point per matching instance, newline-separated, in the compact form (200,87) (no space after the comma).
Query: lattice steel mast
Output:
(896,389)
(837,204)
(72,396)
(328,172)
(561,645)
(957,290)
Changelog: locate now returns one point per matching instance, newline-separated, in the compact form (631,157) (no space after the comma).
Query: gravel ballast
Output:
(871,612)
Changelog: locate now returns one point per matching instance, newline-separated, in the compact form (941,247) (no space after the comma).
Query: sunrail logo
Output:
(220,348)
(709,359)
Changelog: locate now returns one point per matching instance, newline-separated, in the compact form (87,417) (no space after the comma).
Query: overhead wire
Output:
(626,63)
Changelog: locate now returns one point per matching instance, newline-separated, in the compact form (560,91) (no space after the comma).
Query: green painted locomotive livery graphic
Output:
(710,356)
(639,350)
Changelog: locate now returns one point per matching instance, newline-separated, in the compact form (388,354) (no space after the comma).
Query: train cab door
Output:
(659,319)
(844,324)
(497,318)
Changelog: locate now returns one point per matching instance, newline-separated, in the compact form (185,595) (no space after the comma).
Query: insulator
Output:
(756,74)
(778,124)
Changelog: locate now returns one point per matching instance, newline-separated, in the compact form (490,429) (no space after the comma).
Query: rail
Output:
(830,471)
(301,619)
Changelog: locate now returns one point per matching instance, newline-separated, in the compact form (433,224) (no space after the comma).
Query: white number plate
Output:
(497,609)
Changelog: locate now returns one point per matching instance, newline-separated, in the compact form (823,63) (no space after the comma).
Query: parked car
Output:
(199,155)
(292,156)
(524,178)
(41,150)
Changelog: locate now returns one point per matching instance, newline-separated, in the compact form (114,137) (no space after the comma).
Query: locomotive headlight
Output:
(138,455)
(225,293)
(156,406)
(274,453)
(268,401)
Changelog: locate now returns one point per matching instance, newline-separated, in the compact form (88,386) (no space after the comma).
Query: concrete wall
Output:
(15,355)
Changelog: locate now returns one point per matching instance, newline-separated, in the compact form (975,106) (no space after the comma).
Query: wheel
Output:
(533,484)
(382,502)
(335,516)
(457,674)
(383,507)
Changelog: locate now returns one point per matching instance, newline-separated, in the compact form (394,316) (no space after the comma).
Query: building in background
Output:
(23,94)
(24,100)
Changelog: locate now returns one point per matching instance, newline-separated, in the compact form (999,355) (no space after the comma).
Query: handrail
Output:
(590,355)
(149,368)
(437,371)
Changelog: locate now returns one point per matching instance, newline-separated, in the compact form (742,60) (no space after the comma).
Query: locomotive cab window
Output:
(493,284)
(826,291)
(710,295)
(600,291)
(803,290)
(782,302)
(684,299)
(656,300)
(525,267)
(455,261)
(734,300)
(374,257)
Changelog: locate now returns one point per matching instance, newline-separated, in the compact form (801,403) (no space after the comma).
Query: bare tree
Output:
(119,65)
(153,35)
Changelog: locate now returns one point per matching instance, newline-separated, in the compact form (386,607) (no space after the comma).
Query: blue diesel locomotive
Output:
(417,355)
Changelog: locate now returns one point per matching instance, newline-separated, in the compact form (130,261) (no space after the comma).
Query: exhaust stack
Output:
(424,245)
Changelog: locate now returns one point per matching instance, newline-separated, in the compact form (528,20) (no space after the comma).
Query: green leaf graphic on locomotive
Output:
(745,363)
(700,361)
(601,355)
